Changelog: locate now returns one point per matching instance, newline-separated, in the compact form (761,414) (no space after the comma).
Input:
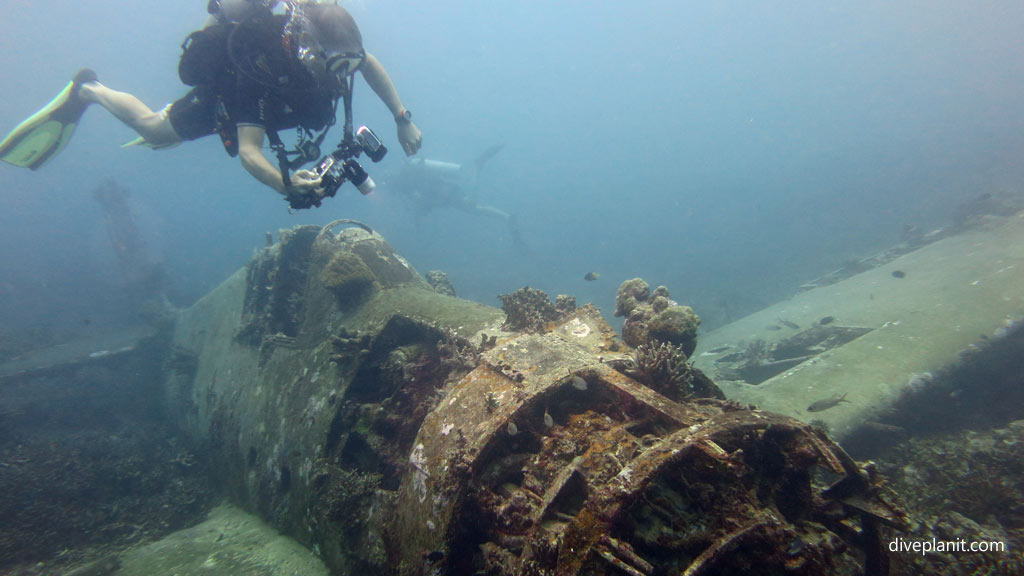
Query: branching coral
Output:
(529,309)
(663,367)
(565,304)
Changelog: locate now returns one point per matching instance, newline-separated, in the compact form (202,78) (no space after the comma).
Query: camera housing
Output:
(334,172)
(341,165)
(371,144)
(331,175)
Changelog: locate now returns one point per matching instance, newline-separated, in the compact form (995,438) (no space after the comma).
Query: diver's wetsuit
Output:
(285,97)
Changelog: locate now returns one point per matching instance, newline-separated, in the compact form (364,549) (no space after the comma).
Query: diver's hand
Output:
(305,181)
(410,137)
(306,190)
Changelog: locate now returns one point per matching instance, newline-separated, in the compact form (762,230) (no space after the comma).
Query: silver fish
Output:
(788,324)
(822,405)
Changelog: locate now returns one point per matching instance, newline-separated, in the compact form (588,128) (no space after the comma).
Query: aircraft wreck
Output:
(394,429)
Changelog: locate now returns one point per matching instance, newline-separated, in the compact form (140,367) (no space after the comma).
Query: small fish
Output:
(898,274)
(822,405)
(548,420)
(788,324)
(718,350)
(773,327)
(591,276)
(579,383)
(512,429)
(825,320)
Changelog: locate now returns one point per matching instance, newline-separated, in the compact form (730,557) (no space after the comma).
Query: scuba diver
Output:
(255,70)
(432,184)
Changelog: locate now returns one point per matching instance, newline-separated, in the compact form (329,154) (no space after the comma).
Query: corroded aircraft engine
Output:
(397,430)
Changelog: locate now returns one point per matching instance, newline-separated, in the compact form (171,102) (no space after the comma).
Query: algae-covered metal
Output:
(397,430)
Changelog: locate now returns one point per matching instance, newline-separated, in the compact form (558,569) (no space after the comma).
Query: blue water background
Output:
(729,150)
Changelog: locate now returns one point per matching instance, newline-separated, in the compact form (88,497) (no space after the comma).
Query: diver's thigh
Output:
(160,130)
(190,117)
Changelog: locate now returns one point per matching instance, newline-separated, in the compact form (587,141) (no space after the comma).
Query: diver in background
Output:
(432,184)
(284,71)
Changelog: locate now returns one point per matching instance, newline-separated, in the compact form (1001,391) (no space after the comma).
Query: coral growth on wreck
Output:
(654,316)
(662,367)
(458,355)
(440,282)
(347,276)
(530,310)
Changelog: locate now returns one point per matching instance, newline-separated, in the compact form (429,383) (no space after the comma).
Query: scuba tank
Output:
(297,38)
(239,10)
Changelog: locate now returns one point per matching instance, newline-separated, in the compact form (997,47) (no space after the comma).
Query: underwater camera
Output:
(341,165)
(333,173)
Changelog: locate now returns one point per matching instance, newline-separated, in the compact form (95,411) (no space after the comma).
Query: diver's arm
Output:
(379,80)
(250,152)
(377,77)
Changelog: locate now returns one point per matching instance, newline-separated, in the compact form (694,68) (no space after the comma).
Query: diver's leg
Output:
(153,126)
(510,219)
